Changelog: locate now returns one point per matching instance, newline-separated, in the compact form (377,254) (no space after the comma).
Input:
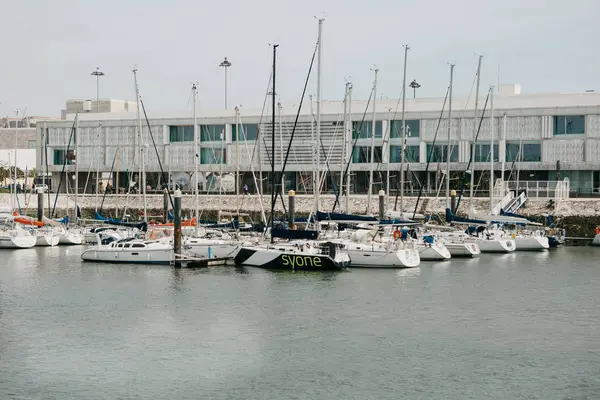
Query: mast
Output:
(491,149)
(448,150)
(141,151)
(502,142)
(273,145)
(348,152)
(15,200)
(318,130)
(403,156)
(76,168)
(281,147)
(196,156)
(472,183)
(372,158)
(312,138)
(345,139)
(238,137)
(97,166)
(387,159)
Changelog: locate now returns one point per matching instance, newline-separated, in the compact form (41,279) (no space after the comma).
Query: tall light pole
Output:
(225,64)
(414,85)
(97,73)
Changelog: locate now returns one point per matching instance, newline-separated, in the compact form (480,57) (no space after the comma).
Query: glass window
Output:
(363,131)
(411,155)
(60,155)
(213,156)
(249,131)
(212,133)
(532,152)
(362,154)
(413,127)
(438,153)
(569,124)
(482,153)
(182,133)
(31,144)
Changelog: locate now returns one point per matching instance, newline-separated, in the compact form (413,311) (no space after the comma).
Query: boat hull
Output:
(211,249)
(276,260)
(463,249)
(531,243)
(70,238)
(433,252)
(496,245)
(365,258)
(46,240)
(596,240)
(17,242)
(129,256)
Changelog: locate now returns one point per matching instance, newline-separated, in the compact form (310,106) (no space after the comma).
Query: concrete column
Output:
(177,228)
(381,205)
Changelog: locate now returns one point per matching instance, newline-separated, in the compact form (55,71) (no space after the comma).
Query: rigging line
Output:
(109,178)
(262,113)
(463,177)
(354,142)
(63,168)
(429,156)
(162,172)
(321,182)
(287,153)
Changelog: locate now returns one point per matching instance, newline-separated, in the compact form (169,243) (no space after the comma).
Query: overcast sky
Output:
(50,48)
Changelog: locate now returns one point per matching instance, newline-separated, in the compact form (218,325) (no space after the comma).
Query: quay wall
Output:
(578,216)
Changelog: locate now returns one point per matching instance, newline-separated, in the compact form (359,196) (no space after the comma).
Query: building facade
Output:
(537,137)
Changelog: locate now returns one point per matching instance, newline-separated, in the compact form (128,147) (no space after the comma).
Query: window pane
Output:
(438,153)
(212,133)
(482,153)
(412,128)
(249,131)
(569,124)
(363,131)
(183,133)
(362,154)
(411,155)
(532,152)
(212,156)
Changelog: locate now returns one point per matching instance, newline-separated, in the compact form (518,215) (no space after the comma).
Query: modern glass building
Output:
(541,137)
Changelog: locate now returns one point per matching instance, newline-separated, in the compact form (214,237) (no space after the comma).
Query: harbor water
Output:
(521,325)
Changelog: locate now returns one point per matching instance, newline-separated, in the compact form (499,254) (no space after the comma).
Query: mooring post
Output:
(165,206)
(292,209)
(381,205)
(453,201)
(40,208)
(177,227)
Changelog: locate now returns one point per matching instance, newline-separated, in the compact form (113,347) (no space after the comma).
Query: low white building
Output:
(538,135)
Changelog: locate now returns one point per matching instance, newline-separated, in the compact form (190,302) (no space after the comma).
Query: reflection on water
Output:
(497,326)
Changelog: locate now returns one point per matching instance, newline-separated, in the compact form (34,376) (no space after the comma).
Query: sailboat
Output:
(301,251)
(13,236)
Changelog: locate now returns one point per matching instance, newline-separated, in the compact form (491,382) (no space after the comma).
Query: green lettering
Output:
(300,261)
(285,260)
(309,260)
(317,261)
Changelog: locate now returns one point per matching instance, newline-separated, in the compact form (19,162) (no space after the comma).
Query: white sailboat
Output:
(15,237)
(46,236)
(136,251)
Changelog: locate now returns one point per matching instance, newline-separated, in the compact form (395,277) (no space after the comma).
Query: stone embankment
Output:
(578,216)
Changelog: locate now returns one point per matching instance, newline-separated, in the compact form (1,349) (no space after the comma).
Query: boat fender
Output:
(514,236)
(397,234)
(307,245)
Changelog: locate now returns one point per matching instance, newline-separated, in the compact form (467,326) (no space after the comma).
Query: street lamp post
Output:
(414,85)
(225,64)
(97,73)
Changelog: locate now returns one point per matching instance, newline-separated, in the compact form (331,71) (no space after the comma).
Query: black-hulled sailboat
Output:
(295,249)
